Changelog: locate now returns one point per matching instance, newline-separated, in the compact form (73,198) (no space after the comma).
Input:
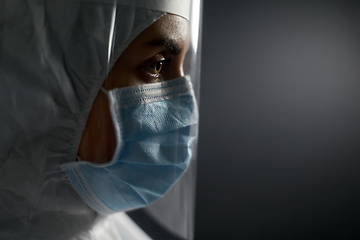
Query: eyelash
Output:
(156,74)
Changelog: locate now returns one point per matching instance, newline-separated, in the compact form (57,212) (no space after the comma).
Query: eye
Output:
(155,67)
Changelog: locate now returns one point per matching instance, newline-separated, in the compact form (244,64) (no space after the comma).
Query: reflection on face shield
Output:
(134,139)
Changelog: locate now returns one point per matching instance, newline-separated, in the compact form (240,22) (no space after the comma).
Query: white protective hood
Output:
(54,57)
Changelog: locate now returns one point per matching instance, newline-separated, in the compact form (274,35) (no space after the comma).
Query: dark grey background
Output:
(279,140)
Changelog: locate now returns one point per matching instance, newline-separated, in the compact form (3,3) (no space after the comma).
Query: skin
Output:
(157,54)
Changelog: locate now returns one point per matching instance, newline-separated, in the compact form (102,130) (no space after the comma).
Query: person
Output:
(99,115)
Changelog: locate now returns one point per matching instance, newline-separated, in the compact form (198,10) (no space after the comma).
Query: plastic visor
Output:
(173,215)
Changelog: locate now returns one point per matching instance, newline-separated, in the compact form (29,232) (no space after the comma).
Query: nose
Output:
(176,69)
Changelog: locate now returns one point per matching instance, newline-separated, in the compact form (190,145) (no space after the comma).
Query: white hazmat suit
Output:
(54,57)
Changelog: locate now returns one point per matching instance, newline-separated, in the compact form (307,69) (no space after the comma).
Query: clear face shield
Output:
(100,123)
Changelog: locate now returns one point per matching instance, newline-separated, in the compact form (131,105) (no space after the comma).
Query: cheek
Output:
(176,68)
(120,76)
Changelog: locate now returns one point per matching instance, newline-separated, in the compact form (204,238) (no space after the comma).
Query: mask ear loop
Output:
(107,93)
(104,91)
(78,159)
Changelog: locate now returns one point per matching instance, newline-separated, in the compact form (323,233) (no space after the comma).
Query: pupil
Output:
(158,67)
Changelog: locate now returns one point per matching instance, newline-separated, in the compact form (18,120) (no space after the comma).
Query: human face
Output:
(156,55)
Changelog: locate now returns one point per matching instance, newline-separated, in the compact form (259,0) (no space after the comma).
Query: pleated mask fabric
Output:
(155,126)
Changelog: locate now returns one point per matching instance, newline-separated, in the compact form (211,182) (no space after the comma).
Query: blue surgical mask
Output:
(156,125)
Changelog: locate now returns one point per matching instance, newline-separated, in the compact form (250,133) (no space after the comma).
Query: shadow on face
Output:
(156,55)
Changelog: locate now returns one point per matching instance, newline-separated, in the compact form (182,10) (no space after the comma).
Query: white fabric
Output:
(117,226)
(177,7)
(54,56)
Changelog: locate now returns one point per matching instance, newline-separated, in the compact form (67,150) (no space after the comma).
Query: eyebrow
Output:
(169,43)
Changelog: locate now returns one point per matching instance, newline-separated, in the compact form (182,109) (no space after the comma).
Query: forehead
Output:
(171,27)
(169,34)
